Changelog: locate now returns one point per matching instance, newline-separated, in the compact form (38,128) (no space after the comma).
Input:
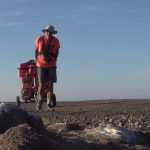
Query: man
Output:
(46,53)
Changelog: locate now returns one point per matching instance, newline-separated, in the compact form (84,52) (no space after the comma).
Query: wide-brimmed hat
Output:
(49,28)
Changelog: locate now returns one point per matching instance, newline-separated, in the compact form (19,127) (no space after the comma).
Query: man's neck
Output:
(47,37)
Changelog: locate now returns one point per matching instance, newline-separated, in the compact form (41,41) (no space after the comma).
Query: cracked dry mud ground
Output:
(70,119)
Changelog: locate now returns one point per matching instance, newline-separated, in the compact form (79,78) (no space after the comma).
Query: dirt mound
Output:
(11,116)
(23,131)
(23,137)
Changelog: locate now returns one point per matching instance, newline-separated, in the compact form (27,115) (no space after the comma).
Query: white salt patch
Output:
(113,132)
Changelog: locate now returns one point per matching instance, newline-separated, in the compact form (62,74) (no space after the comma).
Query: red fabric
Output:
(26,69)
(41,43)
(22,70)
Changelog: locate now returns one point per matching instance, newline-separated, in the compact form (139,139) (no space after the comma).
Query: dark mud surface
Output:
(83,125)
(71,119)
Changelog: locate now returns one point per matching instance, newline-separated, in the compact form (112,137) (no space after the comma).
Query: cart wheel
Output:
(54,100)
(18,101)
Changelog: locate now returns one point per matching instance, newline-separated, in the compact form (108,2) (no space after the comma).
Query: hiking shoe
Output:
(38,108)
(49,108)
(38,105)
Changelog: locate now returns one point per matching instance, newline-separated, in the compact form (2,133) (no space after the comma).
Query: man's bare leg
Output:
(39,101)
(50,97)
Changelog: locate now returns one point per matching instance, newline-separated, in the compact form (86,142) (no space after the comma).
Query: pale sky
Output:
(105,48)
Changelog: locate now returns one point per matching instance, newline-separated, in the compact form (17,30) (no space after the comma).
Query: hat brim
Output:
(54,32)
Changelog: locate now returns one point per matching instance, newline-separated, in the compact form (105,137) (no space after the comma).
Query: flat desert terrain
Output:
(88,125)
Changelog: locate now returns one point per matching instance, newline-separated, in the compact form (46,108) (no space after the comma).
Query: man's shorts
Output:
(47,74)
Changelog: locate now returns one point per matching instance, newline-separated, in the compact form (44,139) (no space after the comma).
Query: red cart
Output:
(29,84)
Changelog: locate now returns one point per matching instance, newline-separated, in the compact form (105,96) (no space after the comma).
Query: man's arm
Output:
(55,49)
(36,53)
(55,54)
(36,47)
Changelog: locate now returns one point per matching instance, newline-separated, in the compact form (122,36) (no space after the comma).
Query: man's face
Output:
(48,34)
